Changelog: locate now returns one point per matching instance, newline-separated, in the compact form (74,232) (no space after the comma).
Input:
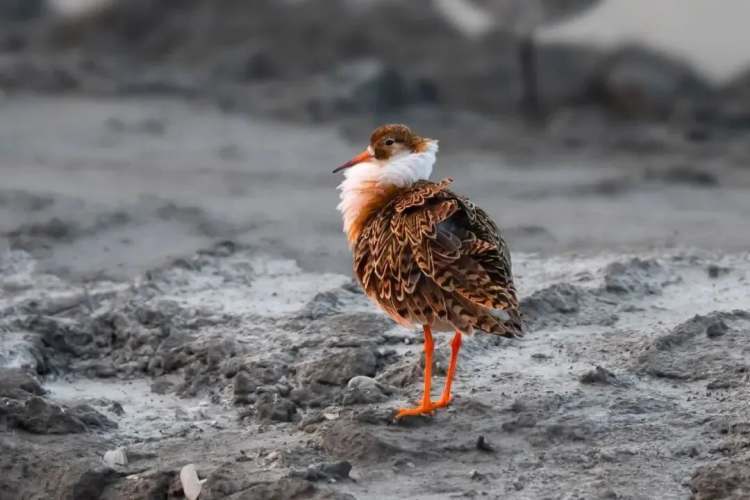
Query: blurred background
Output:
(134,131)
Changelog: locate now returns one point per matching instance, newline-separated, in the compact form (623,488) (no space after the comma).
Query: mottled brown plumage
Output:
(424,254)
(432,257)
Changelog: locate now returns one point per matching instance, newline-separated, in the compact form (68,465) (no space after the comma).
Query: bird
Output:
(426,256)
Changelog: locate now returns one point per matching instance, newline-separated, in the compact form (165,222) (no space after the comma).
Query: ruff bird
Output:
(425,255)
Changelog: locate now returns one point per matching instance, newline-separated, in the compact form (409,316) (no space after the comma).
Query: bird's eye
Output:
(389,142)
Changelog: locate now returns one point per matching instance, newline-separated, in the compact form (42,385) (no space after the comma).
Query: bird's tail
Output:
(515,323)
(504,322)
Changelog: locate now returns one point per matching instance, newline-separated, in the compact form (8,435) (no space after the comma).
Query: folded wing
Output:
(432,255)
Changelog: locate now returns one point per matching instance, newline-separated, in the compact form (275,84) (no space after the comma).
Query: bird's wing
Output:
(433,254)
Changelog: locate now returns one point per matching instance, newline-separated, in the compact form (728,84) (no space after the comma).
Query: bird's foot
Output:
(442,402)
(423,409)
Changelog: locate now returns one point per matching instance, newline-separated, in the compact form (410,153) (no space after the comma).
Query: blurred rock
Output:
(36,74)
(732,107)
(642,83)
(22,10)
(716,271)
(684,175)
(247,64)
(565,74)
(373,85)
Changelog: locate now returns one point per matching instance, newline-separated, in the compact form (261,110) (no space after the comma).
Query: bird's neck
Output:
(359,205)
(369,186)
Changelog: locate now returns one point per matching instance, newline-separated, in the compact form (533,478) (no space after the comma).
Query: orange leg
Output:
(445,399)
(426,406)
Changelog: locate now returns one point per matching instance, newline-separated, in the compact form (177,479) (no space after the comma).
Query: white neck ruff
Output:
(401,171)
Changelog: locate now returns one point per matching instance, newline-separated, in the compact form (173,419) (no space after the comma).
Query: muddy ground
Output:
(175,288)
(174,285)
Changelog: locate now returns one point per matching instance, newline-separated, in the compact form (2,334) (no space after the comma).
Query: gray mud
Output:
(276,382)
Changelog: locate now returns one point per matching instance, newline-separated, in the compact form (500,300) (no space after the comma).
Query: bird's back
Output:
(431,257)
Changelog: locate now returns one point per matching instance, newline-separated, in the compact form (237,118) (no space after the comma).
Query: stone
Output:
(364,390)
(338,368)
(641,82)
(274,408)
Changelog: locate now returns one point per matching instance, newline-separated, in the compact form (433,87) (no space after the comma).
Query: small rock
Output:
(402,463)
(116,457)
(325,472)
(475,475)
(243,388)
(716,271)
(117,409)
(105,370)
(599,375)
(274,408)
(191,485)
(364,390)
(339,367)
(540,356)
(484,445)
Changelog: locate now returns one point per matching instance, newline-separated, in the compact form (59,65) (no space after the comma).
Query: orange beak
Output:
(363,156)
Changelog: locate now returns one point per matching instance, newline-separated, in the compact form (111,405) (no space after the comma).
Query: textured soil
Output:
(174,289)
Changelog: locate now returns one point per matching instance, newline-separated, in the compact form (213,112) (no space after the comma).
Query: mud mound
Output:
(713,347)
(637,277)
(181,339)
(625,283)
(564,304)
(729,480)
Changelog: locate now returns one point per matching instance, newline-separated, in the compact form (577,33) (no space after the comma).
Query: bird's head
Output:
(395,156)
